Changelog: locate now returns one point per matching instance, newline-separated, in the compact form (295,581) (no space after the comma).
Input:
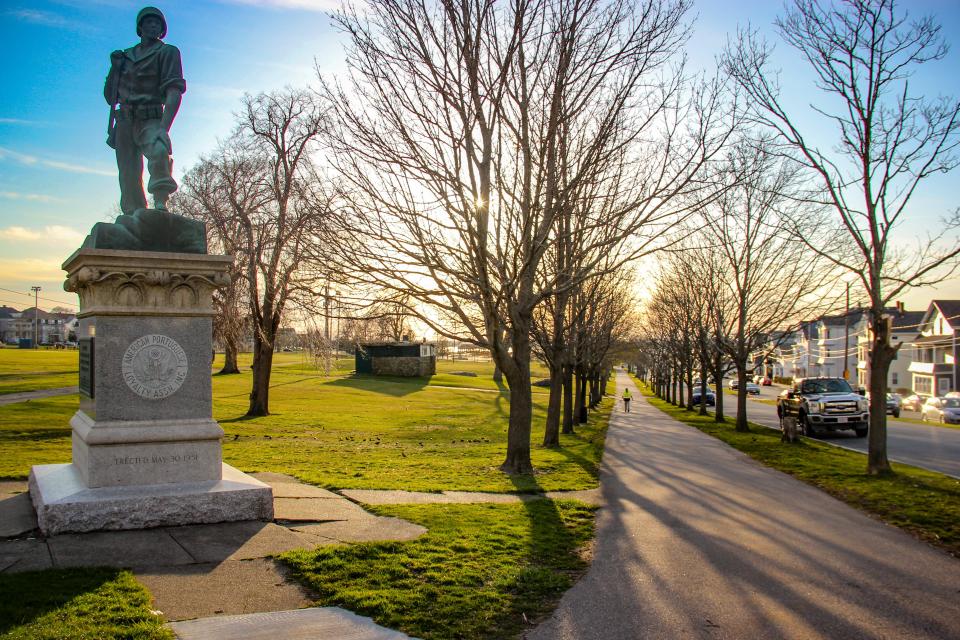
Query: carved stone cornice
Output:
(151,283)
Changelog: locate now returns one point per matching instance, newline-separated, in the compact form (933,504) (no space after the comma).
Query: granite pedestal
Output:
(146,451)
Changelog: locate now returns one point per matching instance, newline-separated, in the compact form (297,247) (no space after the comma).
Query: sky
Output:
(58,177)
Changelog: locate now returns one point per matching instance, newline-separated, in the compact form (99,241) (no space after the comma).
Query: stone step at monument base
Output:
(64,504)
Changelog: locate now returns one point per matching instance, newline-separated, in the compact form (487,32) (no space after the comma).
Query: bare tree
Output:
(467,126)
(217,191)
(279,129)
(889,140)
(769,274)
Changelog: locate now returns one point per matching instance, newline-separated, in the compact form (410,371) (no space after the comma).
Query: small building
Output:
(408,359)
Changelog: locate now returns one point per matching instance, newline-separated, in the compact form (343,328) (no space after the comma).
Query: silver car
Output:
(942,410)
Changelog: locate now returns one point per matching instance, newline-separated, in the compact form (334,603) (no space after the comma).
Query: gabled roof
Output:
(907,320)
(950,310)
(9,310)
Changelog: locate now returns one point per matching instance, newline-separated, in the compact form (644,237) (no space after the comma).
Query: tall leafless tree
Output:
(889,140)
(464,131)
(279,130)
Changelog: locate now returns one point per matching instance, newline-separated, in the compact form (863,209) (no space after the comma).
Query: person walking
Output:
(626,400)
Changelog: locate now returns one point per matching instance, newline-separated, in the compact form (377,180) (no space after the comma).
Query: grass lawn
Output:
(923,502)
(351,432)
(90,604)
(33,369)
(482,571)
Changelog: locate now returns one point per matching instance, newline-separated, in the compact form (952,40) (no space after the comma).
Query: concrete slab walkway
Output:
(699,541)
(215,570)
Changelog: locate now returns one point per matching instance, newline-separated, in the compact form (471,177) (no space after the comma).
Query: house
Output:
(836,345)
(408,359)
(904,329)
(47,326)
(935,368)
(8,331)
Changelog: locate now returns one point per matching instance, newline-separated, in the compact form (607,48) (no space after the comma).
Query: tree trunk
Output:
(718,380)
(742,425)
(551,433)
(582,400)
(690,387)
(229,358)
(568,399)
(262,368)
(497,375)
(881,355)
(703,386)
(521,406)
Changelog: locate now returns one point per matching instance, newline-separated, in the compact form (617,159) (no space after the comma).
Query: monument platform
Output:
(64,503)
(146,449)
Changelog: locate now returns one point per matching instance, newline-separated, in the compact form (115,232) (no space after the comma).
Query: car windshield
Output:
(828,385)
(952,403)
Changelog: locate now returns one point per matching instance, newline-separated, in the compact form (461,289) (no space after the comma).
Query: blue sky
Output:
(58,177)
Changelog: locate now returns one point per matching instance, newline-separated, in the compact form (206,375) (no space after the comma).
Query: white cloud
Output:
(44,18)
(19,121)
(304,5)
(30,197)
(51,233)
(34,161)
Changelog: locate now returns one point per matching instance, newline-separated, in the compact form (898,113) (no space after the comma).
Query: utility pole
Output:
(326,315)
(846,338)
(36,317)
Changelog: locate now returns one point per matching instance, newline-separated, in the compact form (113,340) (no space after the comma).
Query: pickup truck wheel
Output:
(896,414)
(808,429)
(861,433)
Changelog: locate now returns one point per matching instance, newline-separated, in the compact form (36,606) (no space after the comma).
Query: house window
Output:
(893,379)
(923,384)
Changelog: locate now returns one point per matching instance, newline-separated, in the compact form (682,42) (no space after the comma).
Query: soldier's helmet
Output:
(152,11)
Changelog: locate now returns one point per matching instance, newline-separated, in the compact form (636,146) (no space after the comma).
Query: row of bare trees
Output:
(887,141)
(490,167)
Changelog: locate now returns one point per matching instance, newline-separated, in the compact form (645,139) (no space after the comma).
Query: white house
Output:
(905,327)
(935,367)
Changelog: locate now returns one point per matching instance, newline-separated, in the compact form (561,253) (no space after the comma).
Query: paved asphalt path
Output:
(699,541)
(920,445)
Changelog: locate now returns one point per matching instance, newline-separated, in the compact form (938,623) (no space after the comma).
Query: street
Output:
(930,447)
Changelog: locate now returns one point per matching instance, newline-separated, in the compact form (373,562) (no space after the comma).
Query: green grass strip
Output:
(925,503)
(79,604)
(482,571)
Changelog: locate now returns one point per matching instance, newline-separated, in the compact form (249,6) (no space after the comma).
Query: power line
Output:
(71,304)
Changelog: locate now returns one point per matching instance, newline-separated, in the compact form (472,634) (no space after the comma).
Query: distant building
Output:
(49,327)
(935,367)
(905,327)
(407,359)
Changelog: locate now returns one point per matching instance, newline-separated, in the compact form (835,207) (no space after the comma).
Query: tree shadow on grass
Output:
(386,385)
(24,597)
(553,561)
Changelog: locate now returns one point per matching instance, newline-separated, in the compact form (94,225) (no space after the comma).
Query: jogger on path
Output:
(626,399)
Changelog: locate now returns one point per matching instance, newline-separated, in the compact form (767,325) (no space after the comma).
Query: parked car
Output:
(762,380)
(914,402)
(942,410)
(710,398)
(953,394)
(893,404)
(733,384)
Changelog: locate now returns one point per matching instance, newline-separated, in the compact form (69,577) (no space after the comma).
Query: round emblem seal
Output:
(154,366)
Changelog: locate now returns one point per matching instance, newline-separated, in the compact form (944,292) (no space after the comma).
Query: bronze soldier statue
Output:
(144,88)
